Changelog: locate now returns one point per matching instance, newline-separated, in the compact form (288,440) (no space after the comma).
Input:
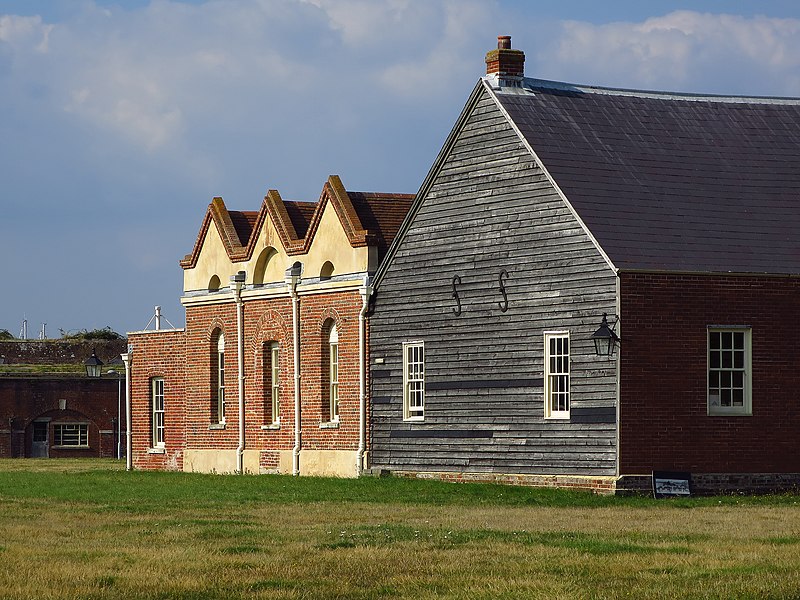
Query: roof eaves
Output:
(351,222)
(257,227)
(283,224)
(190,260)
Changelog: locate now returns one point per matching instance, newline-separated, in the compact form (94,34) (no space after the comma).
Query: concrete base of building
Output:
(328,463)
(320,463)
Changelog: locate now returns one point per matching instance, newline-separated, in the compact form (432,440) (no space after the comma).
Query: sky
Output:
(120,120)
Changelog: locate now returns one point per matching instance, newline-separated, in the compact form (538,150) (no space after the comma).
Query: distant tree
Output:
(5,334)
(106,333)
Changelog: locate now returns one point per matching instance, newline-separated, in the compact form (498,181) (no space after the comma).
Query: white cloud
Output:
(137,117)
(683,50)
(25,31)
(370,22)
(451,54)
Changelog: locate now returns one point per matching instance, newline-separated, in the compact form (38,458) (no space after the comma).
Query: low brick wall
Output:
(711,484)
(59,352)
(598,485)
(703,484)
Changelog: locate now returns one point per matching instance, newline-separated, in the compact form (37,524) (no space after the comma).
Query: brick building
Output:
(552,204)
(276,304)
(50,408)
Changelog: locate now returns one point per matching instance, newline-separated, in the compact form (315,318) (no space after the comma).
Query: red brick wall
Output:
(24,399)
(185,359)
(664,423)
(271,321)
(158,354)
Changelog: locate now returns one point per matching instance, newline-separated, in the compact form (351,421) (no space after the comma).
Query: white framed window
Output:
(75,435)
(157,417)
(729,370)
(413,381)
(221,378)
(556,375)
(333,373)
(275,382)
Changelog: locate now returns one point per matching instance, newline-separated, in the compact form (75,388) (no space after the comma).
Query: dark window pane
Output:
(713,340)
(725,379)
(727,340)
(738,379)
(738,340)
(727,359)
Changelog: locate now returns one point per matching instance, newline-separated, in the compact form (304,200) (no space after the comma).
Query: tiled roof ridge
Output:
(382,196)
(530,84)
(333,191)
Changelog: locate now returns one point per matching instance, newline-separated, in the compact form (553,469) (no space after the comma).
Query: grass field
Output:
(89,530)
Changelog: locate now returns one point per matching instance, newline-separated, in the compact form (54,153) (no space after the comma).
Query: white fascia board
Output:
(353,283)
(154,331)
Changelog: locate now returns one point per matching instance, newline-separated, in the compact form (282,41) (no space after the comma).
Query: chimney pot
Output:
(504,65)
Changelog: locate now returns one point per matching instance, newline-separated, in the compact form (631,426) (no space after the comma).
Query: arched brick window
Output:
(330,372)
(217,372)
(272,383)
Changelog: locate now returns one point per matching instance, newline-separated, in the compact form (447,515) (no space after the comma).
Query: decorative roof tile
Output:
(367,219)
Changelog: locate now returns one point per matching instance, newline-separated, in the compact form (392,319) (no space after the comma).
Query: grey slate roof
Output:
(671,182)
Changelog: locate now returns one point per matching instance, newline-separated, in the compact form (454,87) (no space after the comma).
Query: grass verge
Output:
(88,530)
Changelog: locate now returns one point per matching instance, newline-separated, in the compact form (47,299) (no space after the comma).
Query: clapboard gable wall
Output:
(488,208)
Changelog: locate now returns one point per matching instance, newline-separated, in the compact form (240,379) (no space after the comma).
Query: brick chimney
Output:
(504,65)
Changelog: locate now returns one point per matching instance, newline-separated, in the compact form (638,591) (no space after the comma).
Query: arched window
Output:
(326,272)
(333,374)
(213,284)
(259,273)
(218,377)
(272,382)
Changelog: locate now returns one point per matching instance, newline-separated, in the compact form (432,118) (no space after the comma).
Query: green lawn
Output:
(87,529)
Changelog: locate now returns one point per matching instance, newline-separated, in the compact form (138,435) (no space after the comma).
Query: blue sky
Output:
(120,120)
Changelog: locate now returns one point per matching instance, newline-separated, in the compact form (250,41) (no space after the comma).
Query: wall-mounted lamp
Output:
(605,339)
(93,365)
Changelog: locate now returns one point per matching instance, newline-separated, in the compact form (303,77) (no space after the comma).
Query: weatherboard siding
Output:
(489,209)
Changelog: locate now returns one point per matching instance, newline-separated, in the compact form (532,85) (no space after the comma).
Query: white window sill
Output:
(414,420)
(68,447)
(329,425)
(156,450)
(217,426)
(271,427)
(557,418)
(717,412)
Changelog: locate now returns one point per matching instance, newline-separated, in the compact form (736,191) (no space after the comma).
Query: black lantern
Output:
(605,340)
(93,365)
